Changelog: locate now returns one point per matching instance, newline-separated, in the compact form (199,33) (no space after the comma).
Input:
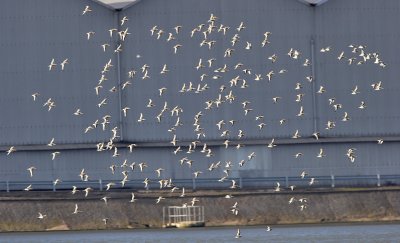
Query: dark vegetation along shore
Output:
(19,210)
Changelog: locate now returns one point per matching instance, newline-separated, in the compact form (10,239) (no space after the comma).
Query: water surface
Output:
(303,233)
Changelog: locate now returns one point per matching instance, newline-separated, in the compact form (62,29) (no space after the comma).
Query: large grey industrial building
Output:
(33,32)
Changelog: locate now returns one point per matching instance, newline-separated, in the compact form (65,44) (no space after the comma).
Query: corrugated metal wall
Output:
(37,31)
(258,17)
(33,33)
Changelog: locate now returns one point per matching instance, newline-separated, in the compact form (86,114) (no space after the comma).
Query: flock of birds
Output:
(226,95)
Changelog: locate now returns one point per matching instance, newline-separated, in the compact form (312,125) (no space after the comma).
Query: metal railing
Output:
(214,183)
(190,215)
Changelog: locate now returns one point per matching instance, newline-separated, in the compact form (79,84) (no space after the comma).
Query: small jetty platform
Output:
(183,216)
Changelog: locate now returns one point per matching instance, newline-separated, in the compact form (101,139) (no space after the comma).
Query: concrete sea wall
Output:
(19,210)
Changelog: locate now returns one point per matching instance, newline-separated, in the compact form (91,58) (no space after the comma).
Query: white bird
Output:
(176,47)
(321,90)
(87,190)
(162,90)
(240,27)
(74,190)
(105,45)
(377,86)
(362,105)
(321,153)
(123,20)
(197,173)
(150,104)
(133,199)
(251,155)
(297,155)
(125,110)
(345,117)
(248,45)
(78,112)
(76,211)
(275,99)
(164,69)
(303,174)
(158,200)
(142,165)
(177,28)
(52,64)
(341,56)
(111,31)
(159,170)
(28,188)
(41,216)
(170,37)
(326,49)
(102,103)
(269,75)
(89,34)
(355,90)
(109,185)
(31,169)
(86,10)
(301,111)
(118,49)
(278,187)
(65,62)
(271,144)
(233,186)
(34,96)
(56,181)
(238,235)
(141,118)
(296,134)
(183,192)
(105,199)
(273,58)
(54,154)
(268,228)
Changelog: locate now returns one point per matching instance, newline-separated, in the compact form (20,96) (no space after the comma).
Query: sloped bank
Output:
(19,210)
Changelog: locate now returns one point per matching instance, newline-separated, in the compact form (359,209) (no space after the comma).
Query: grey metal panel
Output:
(32,36)
(259,17)
(371,159)
(370,23)
(24,71)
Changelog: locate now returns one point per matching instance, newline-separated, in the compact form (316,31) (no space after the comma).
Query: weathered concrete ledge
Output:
(19,210)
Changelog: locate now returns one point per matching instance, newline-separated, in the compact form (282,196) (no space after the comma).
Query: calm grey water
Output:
(315,233)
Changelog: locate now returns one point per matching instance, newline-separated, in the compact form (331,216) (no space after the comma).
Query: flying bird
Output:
(31,169)
(86,10)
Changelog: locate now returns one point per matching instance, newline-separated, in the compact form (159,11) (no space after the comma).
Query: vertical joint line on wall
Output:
(313,84)
(118,42)
(313,71)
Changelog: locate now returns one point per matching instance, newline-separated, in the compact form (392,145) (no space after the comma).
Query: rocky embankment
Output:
(19,210)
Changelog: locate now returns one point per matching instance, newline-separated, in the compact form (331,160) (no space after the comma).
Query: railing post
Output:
(332,181)
(193,184)
(378,176)
(8,186)
(163,217)
(54,187)
(287,181)
(100,185)
(240,183)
